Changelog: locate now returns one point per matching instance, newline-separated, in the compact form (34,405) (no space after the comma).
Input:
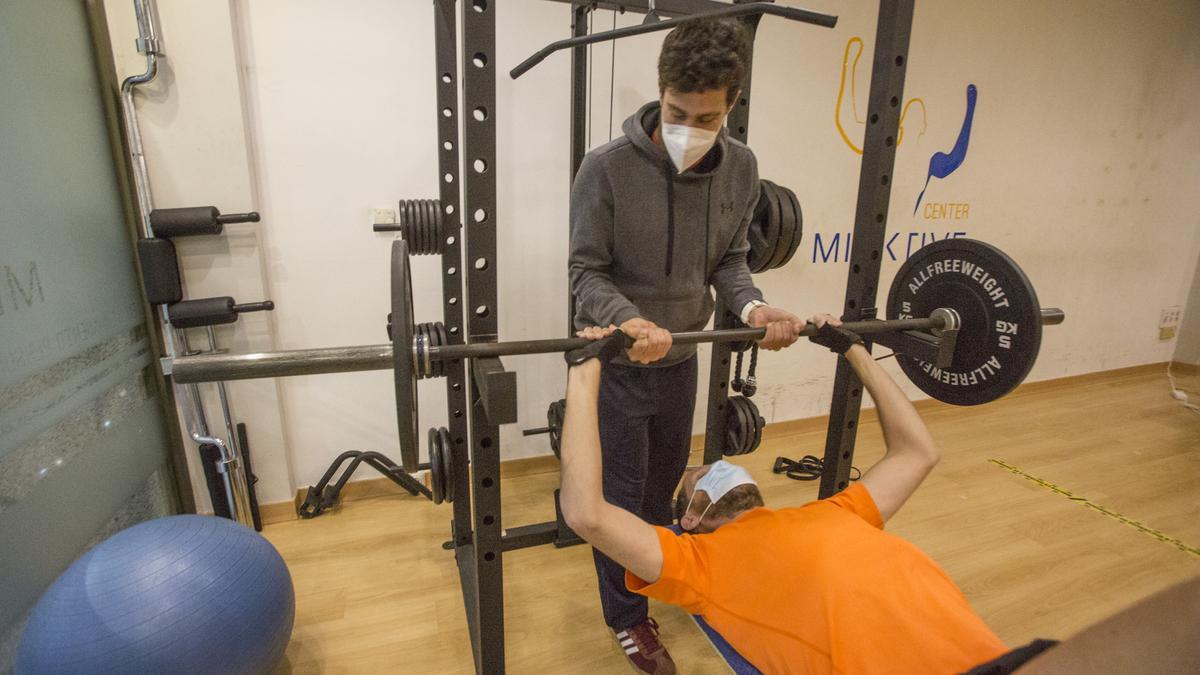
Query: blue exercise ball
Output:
(183,594)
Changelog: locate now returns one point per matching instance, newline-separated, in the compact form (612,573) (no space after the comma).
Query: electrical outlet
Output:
(383,216)
(1168,323)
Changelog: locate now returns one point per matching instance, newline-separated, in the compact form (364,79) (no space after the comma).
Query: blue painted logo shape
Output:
(943,164)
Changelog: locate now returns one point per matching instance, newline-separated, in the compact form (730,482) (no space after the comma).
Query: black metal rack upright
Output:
(889,64)
(467,161)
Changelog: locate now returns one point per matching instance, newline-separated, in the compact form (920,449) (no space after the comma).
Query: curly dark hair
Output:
(705,55)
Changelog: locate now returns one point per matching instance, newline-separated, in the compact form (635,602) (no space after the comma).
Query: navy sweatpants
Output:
(645,436)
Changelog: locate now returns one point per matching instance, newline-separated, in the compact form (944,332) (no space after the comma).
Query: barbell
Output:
(958,285)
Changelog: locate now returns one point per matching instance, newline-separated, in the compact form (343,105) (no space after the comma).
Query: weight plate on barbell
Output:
(1001,329)
(402,356)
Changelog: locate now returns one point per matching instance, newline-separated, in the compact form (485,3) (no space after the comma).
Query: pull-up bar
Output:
(790,13)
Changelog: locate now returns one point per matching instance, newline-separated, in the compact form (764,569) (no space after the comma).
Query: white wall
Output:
(1082,166)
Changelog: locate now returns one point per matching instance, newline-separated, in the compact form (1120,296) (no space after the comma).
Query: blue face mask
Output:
(720,479)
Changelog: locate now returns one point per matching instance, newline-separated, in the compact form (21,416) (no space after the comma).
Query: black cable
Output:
(808,467)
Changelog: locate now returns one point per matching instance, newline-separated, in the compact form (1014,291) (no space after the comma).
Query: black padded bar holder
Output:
(756,8)
(194,220)
(160,271)
(212,311)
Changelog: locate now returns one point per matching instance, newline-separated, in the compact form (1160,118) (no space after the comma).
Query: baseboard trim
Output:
(278,512)
(1186,369)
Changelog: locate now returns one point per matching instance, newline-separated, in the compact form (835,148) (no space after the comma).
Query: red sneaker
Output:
(644,650)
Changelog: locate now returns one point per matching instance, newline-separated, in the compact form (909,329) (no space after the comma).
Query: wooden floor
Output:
(376,593)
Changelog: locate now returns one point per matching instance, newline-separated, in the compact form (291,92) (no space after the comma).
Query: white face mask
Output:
(720,479)
(686,145)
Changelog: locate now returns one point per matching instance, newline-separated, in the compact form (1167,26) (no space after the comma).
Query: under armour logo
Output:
(726,207)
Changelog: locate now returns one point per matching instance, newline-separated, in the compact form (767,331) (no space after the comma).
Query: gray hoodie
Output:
(648,241)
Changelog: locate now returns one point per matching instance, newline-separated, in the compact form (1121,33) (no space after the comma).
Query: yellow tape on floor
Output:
(1141,527)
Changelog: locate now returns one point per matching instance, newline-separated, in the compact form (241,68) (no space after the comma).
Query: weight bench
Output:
(737,663)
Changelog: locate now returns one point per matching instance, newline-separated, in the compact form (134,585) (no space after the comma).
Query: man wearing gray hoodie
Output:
(658,217)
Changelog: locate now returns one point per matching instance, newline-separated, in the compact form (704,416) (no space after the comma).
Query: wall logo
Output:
(856,43)
(835,247)
(943,164)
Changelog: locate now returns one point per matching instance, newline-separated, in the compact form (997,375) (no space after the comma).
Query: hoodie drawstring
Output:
(670,217)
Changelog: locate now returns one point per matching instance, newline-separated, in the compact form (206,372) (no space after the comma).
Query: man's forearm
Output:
(903,428)
(582,486)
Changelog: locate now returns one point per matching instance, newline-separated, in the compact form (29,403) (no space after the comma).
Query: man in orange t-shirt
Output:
(815,589)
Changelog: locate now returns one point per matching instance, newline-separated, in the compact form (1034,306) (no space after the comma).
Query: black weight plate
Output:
(447,452)
(438,234)
(408,222)
(775,211)
(402,356)
(432,245)
(737,430)
(759,425)
(758,235)
(555,415)
(752,433)
(442,339)
(790,202)
(1001,328)
(437,473)
(780,203)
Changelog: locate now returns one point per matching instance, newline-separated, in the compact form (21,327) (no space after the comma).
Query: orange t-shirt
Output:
(822,589)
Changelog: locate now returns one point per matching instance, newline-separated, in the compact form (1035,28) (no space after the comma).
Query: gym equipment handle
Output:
(230,218)
(802,15)
(214,367)
(264,306)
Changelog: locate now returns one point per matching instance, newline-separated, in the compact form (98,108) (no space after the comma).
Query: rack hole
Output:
(480,166)
(449,178)
(895,101)
(874,118)
(482,311)
(480,114)
(452,301)
(884,179)
(447,145)
(450,242)
(857,269)
(489,556)
(854,393)
(852,304)
(480,215)
(451,271)
(481,264)
(889,141)
(850,424)
(486,482)
(899,60)
(480,59)
(446,78)
(446,112)
(479,5)
(488,520)
(879,217)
